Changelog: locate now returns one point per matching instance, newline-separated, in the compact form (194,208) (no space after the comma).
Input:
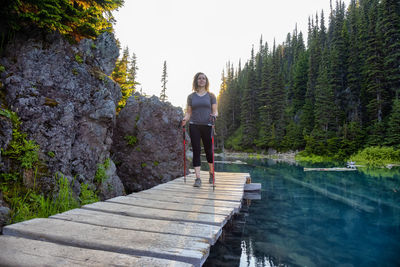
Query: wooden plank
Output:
(206,186)
(223,191)
(180,248)
(252,195)
(21,252)
(252,187)
(209,232)
(172,206)
(189,200)
(200,195)
(160,214)
(190,180)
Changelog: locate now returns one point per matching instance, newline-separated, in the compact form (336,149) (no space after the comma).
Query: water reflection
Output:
(313,219)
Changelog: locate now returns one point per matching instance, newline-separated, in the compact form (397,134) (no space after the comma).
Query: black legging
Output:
(204,132)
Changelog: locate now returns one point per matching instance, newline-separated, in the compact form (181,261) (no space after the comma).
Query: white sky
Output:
(195,36)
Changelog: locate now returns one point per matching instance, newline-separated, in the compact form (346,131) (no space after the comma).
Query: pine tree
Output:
(265,131)
(393,132)
(325,110)
(77,19)
(354,77)
(248,114)
(338,59)
(389,26)
(163,95)
(376,95)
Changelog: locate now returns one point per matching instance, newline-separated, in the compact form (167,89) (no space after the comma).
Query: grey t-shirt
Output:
(201,107)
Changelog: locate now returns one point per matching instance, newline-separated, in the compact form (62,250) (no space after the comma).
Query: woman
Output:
(201,112)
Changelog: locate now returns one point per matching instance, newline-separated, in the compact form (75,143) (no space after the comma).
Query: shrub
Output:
(377,156)
(131,140)
(87,195)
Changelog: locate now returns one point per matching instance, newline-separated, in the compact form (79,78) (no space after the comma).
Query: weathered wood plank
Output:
(207,195)
(171,206)
(21,252)
(188,187)
(180,248)
(199,192)
(160,214)
(209,232)
(188,200)
(252,187)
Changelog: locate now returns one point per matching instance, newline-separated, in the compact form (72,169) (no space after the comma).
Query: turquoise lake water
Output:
(313,219)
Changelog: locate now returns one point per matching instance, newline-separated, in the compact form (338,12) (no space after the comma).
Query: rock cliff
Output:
(147,143)
(66,102)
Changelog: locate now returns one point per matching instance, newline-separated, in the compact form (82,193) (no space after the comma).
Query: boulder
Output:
(5,138)
(148,143)
(4,213)
(65,100)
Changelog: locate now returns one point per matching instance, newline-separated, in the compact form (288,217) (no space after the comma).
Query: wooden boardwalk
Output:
(172,224)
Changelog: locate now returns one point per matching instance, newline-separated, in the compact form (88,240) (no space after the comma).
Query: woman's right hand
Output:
(183,122)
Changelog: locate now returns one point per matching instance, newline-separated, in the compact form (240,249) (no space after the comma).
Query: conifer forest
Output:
(333,94)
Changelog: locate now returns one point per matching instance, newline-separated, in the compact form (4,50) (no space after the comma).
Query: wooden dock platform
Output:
(172,224)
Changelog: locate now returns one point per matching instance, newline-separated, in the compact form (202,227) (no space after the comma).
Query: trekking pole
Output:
(184,153)
(212,141)
(184,150)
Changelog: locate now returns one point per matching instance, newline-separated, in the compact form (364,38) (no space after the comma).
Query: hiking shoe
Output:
(197,182)
(210,180)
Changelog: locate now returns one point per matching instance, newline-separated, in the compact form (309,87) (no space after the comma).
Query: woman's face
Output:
(201,80)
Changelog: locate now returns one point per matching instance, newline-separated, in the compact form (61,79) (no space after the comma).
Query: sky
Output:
(202,36)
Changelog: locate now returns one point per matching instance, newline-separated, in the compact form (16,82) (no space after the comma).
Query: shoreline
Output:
(285,157)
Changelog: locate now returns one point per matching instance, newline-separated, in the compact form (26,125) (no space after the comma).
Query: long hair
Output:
(195,86)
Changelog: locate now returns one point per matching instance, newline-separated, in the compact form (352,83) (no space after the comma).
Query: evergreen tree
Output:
(78,19)
(332,97)
(354,76)
(389,26)
(163,95)
(265,108)
(376,95)
(248,112)
(124,74)
(393,132)
(325,110)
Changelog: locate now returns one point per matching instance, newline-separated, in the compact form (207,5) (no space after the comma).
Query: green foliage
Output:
(131,140)
(155,163)
(143,165)
(75,19)
(87,195)
(101,174)
(74,71)
(311,158)
(234,142)
(107,163)
(377,156)
(28,204)
(331,98)
(78,59)
(20,149)
(393,131)
(2,68)
(51,154)
(124,74)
